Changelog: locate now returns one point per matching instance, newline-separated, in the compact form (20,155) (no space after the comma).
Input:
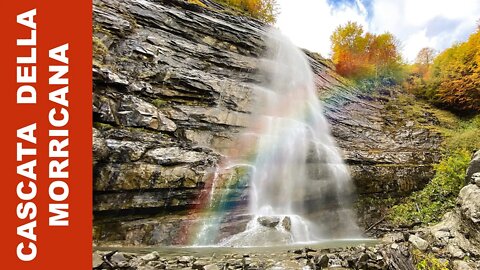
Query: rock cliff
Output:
(173,85)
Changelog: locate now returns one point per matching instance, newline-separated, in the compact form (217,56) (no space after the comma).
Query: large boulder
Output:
(473,168)
(469,202)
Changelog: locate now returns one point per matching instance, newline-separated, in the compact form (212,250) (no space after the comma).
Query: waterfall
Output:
(300,190)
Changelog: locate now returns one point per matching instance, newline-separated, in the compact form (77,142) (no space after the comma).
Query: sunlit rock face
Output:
(173,86)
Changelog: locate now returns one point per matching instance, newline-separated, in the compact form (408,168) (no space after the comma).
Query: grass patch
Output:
(159,102)
(102,126)
(99,48)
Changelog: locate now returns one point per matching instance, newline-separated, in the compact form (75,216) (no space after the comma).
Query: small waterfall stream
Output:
(300,188)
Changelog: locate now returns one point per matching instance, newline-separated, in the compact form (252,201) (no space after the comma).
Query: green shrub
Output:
(438,196)
(429,262)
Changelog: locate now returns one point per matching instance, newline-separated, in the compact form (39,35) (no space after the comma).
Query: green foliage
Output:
(438,196)
(102,126)
(428,262)
(364,56)
(159,102)
(466,136)
(461,139)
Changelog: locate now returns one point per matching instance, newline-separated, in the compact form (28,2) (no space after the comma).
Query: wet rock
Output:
(287,223)
(185,259)
(362,261)
(199,264)
(119,260)
(268,221)
(150,256)
(211,267)
(321,261)
(418,242)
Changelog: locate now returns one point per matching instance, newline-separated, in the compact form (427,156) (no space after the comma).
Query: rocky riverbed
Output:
(454,243)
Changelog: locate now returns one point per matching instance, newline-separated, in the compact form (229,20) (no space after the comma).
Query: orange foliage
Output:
(360,55)
(455,78)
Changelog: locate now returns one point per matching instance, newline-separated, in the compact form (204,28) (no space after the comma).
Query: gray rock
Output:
(473,167)
(393,237)
(150,256)
(211,267)
(461,265)
(322,261)
(476,179)
(268,221)
(199,264)
(287,223)
(118,259)
(469,201)
(97,260)
(418,242)
(455,251)
(185,259)
(100,148)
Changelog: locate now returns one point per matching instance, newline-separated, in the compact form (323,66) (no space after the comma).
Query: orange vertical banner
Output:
(46,134)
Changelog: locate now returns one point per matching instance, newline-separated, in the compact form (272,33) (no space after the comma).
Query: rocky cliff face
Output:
(173,85)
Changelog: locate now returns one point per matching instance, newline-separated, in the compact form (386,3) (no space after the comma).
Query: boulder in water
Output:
(270,222)
(287,224)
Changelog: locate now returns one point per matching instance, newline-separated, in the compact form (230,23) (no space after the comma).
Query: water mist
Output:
(300,189)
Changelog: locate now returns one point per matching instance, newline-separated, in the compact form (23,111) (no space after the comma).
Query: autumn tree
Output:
(349,46)
(424,60)
(264,10)
(361,55)
(455,76)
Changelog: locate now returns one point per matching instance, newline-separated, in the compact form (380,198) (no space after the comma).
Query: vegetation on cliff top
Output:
(263,10)
(452,79)
(362,55)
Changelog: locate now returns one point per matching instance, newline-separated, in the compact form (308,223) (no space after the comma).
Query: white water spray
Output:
(300,189)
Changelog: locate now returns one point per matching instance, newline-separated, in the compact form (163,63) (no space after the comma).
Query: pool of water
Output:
(206,251)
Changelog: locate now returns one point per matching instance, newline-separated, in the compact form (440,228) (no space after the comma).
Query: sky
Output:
(416,23)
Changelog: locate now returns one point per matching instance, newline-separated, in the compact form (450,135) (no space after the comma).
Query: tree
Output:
(425,56)
(455,76)
(264,10)
(360,55)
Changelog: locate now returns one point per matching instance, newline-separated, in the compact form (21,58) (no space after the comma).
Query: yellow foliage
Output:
(455,76)
(360,55)
(263,10)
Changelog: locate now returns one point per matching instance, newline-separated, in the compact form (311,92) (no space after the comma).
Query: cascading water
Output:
(300,188)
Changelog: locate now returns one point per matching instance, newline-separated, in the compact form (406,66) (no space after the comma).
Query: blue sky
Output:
(417,23)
